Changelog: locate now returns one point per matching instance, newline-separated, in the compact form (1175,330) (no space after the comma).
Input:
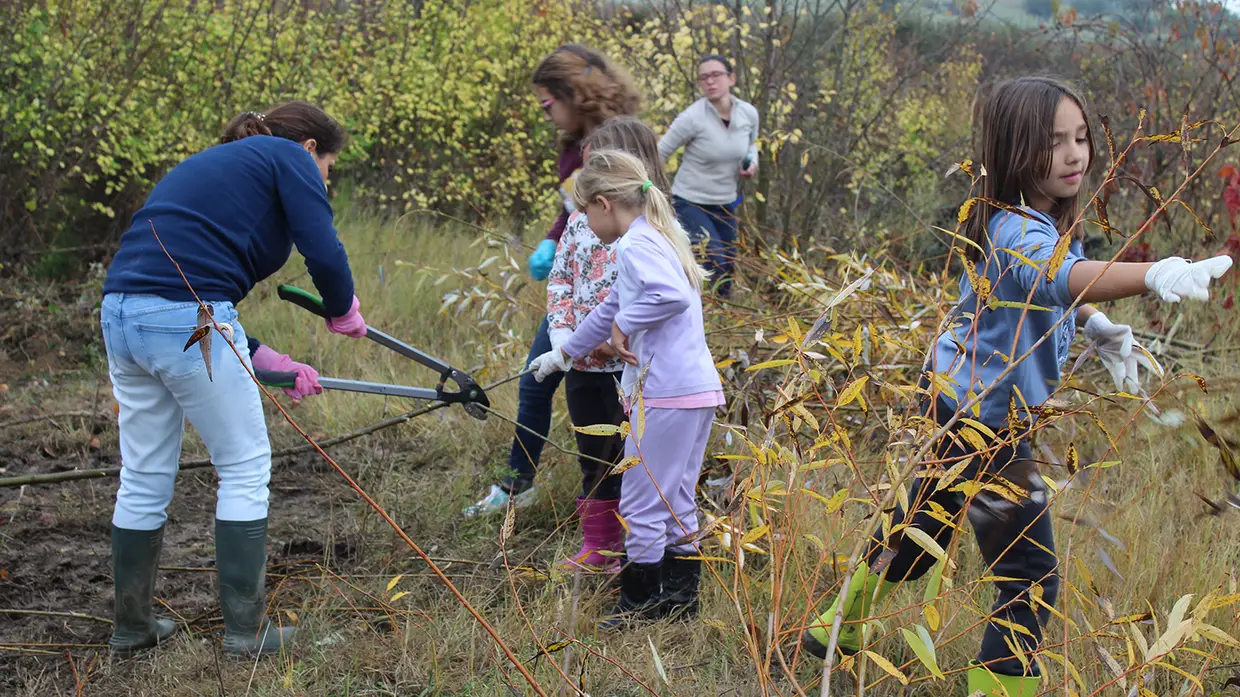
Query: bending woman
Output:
(229,216)
(719,133)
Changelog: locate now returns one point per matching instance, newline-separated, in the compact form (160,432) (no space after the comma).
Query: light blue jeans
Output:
(158,385)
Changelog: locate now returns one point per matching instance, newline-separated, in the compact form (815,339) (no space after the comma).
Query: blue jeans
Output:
(717,226)
(157,385)
(533,412)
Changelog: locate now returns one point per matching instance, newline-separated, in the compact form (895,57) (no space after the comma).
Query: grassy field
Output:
(375,621)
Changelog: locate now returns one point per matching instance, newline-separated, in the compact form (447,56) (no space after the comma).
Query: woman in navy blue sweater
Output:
(229,216)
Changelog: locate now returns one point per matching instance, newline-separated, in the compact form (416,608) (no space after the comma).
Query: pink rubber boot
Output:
(601,531)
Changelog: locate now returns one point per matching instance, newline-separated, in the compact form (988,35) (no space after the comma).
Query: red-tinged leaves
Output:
(1110,137)
(198,335)
(551,648)
(1201,382)
(1225,172)
(1226,454)
(1214,508)
(202,335)
(1153,195)
(1100,208)
(1196,217)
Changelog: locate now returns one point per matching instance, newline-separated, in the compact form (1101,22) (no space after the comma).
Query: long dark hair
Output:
(1016,124)
(630,135)
(596,88)
(297,121)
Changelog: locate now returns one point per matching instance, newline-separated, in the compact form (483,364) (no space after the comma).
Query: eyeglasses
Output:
(547,104)
(711,77)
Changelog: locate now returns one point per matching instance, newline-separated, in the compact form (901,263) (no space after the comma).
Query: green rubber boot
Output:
(241,560)
(864,591)
(135,558)
(997,685)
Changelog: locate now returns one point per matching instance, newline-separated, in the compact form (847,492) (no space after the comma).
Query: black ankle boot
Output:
(681,578)
(641,590)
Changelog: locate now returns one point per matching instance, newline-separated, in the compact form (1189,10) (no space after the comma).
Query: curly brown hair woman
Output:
(578,89)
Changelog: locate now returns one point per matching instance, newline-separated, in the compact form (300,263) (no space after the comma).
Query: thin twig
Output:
(50,613)
(387,518)
(59,415)
(76,475)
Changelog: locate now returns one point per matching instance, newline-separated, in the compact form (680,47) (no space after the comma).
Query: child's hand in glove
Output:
(1117,350)
(1174,278)
(550,362)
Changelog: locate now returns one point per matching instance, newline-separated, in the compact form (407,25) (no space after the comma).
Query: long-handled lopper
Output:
(468,394)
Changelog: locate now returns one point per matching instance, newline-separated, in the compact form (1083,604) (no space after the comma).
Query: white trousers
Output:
(158,385)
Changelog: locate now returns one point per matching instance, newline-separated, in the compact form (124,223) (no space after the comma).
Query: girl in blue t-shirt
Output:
(1019,296)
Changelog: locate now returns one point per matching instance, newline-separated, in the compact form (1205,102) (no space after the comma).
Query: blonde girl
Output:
(654,319)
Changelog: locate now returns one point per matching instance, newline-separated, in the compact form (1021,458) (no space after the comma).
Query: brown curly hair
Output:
(596,88)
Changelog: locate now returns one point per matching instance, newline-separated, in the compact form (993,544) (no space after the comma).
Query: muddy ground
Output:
(55,552)
(55,539)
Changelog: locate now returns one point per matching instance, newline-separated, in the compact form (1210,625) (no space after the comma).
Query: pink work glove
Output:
(307,383)
(350,323)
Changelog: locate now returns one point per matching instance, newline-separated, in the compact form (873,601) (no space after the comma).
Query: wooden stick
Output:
(75,475)
(63,414)
(49,613)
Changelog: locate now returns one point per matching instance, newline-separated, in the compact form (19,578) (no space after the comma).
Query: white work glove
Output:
(550,362)
(1121,355)
(1174,278)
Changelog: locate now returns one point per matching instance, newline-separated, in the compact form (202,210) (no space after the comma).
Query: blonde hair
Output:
(622,179)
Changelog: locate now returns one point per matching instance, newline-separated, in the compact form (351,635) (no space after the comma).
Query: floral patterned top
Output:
(580,280)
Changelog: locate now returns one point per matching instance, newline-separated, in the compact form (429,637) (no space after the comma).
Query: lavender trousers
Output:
(657,494)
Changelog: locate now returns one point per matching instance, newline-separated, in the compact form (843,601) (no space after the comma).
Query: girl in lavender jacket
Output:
(654,318)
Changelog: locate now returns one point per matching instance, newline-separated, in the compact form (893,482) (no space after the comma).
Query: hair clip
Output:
(257,115)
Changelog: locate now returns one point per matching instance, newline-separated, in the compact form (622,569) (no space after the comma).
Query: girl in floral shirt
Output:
(581,279)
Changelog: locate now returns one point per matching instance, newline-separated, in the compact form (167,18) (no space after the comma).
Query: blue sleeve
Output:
(252,344)
(1035,240)
(309,216)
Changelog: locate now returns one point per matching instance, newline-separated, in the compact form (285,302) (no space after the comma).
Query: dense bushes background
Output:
(865,104)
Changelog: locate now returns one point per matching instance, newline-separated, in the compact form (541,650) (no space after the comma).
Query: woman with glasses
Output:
(718,133)
(578,89)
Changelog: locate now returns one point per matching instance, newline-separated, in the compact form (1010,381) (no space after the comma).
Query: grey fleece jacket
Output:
(713,153)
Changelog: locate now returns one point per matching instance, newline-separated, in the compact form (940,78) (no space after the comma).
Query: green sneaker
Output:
(997,685)
(864,590)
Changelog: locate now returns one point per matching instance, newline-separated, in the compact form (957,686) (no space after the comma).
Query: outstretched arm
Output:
(1114,282)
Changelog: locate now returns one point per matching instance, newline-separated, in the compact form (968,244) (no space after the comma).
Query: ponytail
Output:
(295,121)
(244,125)
(662,217)
(623,179)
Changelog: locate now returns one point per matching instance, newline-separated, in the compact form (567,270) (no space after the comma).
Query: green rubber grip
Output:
(275,378)
(302,298)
